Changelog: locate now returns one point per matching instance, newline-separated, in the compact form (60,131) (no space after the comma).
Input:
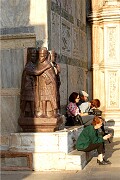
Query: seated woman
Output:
(87,107)
(90,139)
(90,107)
(73,113)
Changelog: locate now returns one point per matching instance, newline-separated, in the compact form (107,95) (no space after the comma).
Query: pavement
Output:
(92,170)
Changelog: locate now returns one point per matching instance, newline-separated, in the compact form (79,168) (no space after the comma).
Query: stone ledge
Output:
(17,36)
(60,141)
(75,160)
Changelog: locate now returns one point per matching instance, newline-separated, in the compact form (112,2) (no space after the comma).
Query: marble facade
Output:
(84,57)
(54,24)
(62,27)
(105,18)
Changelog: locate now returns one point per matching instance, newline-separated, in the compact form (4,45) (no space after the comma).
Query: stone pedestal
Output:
(40,124)
(45,151)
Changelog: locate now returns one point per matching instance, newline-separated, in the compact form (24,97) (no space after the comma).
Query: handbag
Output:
(74,121)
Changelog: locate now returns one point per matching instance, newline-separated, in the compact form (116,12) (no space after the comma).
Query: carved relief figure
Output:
(53,57)
(29,84)
(47,87)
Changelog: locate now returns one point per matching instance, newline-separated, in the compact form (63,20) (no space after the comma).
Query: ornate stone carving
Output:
(112,43)
(113,90)
(39,92)
(55,31)
(66,38)
(67,6)
(76,42)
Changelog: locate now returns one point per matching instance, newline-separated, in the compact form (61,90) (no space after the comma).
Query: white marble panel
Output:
(83,46)
(11,68)
(66,37)
(48,161)
(67,5)
(83,12)
(63,86)
(15,13)
(78,9)
(55,32)
(75,42)
(60,141)
(9,114)
(75,160)
(76,79)
(111,43)
(15,140)
(112,87)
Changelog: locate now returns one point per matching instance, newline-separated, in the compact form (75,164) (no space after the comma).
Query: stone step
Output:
(77,160)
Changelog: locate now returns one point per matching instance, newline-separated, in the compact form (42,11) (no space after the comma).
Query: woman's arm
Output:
(73,109)
(94,136)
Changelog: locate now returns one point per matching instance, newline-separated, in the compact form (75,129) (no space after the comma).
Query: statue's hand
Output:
(48,65)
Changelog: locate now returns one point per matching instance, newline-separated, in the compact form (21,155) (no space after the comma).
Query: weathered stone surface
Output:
(106,65)
(29,124)
(61,141)
(16,160)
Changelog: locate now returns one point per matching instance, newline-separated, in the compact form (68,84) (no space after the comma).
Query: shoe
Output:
(105,160)
(103,163)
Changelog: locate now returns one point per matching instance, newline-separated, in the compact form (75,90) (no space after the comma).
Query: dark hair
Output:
(95,103)
(96,120)
(73,96)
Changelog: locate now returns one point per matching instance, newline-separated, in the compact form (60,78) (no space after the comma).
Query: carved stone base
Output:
(40,124)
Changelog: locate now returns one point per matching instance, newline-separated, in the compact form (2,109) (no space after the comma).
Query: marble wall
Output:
(68,29)
(55,24)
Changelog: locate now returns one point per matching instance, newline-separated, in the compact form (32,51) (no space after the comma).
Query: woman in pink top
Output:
(73,113)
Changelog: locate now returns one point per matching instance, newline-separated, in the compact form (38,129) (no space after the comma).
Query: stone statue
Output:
(53,57)
(47,85)
(29,94)
(39,93)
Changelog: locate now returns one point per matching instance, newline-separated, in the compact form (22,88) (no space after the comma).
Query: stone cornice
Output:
(105,66)
(105,14)
(17,36)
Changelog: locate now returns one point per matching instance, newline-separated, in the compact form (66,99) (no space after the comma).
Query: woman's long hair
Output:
(73,96)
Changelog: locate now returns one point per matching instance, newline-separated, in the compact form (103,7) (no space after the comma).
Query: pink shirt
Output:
(72,109)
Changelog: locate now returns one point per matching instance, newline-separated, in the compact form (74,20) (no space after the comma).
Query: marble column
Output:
(105,19)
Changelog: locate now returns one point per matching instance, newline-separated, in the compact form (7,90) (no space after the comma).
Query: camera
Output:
(95,112)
